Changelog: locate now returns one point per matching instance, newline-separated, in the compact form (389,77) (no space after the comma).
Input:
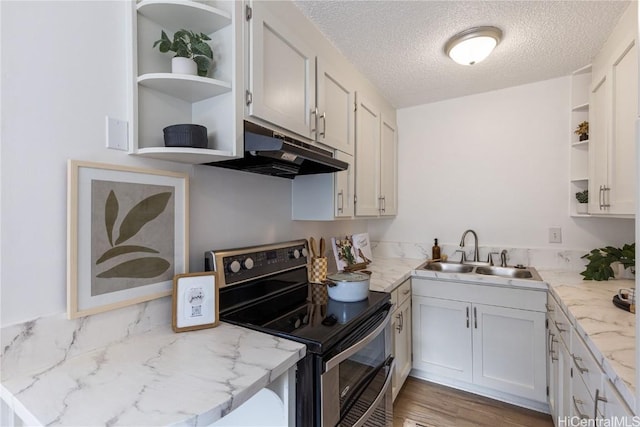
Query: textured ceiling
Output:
(398,45)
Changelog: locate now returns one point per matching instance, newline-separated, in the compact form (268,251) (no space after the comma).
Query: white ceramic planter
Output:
(181,65)
(582,208)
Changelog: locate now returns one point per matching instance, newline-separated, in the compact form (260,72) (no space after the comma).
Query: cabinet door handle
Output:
(606,196)
(582,369)
(475,317)
(601,197)
(467,317)
(553,340)
(399,325)
(314,119)
(597,399)
(559,327)
(577,402)
(324,124)
(549,308)
(340,201)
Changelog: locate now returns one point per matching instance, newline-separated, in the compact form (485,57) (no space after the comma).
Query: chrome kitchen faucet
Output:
(476,253)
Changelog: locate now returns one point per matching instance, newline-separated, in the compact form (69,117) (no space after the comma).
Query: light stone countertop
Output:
(159,377)
(154,378)
(389,273)
(608,331)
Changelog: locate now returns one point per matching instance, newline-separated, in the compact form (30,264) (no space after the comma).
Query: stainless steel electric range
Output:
(345,379)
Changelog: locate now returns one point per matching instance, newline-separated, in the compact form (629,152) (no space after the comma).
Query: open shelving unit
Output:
(579,155)
(161,98)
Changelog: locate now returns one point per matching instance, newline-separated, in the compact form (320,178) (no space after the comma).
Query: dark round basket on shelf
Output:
(185,135)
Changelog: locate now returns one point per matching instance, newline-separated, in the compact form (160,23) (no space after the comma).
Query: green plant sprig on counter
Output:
(188,44)
(600,260)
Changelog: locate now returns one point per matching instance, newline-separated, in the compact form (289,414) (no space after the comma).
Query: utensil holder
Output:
(317,276)
(318,270)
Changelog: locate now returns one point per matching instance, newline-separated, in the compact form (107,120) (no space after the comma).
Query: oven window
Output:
(361,378)
(356,383)
(356,407)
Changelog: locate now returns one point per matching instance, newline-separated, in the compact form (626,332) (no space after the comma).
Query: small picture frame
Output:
(195,301)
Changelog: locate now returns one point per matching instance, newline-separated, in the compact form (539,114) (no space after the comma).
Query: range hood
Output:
(268,152)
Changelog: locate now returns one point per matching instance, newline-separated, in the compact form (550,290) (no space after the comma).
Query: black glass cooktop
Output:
(281,306)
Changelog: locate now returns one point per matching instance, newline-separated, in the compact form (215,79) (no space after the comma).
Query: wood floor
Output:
(433,405)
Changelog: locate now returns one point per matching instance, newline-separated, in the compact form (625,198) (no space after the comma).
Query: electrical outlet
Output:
(117,137)
(555,235)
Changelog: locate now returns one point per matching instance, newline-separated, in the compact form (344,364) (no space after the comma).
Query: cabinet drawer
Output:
(614,405)
(557,317)
(585,365)
(394,298)
(403,291)
(582,405)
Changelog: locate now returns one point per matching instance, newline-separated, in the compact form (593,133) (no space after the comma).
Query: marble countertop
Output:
(389,273)
(155,378)
(608,331)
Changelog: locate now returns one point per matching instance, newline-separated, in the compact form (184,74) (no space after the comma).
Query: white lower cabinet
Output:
(401,330)
(442,337)
(485,339)
(612,405)
(508,350)
(559,361)
(579,390)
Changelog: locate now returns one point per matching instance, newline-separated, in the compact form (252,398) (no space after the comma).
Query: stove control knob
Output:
(295,322)
(248,263)
(295,254)
(304,252)
(234,266)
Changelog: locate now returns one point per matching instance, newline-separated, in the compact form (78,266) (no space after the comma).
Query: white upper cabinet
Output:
(388,168)
(612,116)
(326,196)
(281,73)
(376,160)
(368,119)
(161,98)
(335,98)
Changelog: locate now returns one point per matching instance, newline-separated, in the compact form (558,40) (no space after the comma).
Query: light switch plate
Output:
(117,134)
(555,235)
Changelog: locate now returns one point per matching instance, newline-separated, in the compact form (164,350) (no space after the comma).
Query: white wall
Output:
(67,73)
(496,162)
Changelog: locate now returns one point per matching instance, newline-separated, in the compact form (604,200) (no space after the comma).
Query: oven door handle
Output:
(385,387)
(335,361)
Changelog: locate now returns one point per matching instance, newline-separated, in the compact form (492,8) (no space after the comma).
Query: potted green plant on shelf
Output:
(583,199)
(582,130)
(193,55)
(603,260)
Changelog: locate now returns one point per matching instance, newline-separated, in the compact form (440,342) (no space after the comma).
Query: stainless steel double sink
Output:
(529,273)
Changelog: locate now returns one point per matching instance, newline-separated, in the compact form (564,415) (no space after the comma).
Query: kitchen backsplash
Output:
(541,259)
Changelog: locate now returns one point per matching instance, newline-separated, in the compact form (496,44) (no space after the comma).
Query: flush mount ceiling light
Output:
(473,45)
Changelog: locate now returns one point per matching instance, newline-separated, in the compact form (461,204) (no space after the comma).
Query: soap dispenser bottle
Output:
(435,251)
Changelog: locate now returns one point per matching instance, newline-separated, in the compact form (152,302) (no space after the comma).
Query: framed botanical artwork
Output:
(127,235)
(195,301)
